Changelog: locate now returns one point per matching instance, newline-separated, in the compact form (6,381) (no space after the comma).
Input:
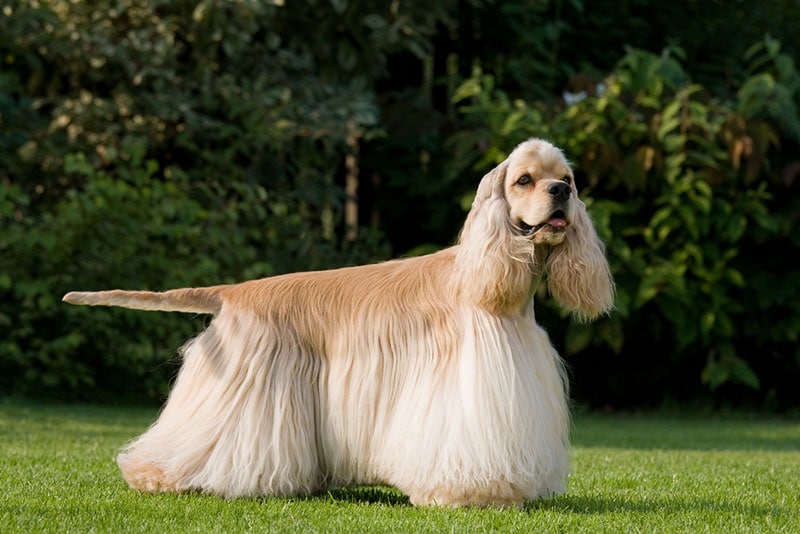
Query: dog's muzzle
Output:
(556,222)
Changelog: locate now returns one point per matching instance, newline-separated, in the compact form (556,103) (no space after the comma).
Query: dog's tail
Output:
(189,300)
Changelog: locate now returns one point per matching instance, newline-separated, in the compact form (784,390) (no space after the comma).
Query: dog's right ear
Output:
(491,185)
(490,188)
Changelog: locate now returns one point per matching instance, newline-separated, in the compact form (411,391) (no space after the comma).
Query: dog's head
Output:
(530,200)
(534,188)
(540,191)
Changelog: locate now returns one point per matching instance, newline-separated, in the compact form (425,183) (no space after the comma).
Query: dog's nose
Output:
(559,191)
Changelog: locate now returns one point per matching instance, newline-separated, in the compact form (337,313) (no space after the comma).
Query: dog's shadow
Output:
(563,504)
(675,504)
(365,495)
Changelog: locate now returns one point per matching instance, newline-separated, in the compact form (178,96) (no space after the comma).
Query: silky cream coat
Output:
(429,374)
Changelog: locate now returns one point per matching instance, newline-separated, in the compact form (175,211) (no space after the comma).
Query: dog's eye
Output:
(525,179)
(566,179)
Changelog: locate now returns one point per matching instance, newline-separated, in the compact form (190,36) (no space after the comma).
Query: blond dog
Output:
(429,374)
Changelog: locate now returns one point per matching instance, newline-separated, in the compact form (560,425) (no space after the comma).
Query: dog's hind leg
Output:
(240,421)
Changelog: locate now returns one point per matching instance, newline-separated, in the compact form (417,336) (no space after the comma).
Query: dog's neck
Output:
(539,265)
(500,282)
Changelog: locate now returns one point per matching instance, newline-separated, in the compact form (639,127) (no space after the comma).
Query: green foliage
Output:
(772,90)
(124,225)
(165,144)
(682,186)
(162,143)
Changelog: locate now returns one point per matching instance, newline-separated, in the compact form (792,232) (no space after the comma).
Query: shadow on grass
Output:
(365,495)
(586,505)
(595,505)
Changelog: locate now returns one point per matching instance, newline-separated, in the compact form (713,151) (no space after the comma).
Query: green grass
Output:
(645,473)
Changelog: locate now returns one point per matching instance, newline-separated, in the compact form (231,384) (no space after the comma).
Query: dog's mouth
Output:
(557,222)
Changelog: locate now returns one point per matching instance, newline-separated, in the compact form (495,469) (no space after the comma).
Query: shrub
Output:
(217,137)
(163,144)
(690,193)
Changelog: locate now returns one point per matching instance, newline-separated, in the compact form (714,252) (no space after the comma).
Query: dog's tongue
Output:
(557,222)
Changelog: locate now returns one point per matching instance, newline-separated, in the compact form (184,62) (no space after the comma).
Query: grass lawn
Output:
(643,473)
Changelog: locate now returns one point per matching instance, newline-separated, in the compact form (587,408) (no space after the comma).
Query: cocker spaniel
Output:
(428,374)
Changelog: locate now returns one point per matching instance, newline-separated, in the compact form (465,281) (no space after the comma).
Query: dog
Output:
(429,374)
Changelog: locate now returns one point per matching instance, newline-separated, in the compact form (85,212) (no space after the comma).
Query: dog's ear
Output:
(490,188)
(487,248)
(578,274)
(491,185)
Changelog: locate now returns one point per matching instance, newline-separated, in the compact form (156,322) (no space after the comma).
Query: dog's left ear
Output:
(579,277)
(490,189)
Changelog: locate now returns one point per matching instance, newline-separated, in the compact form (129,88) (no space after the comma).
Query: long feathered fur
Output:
(429,374)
